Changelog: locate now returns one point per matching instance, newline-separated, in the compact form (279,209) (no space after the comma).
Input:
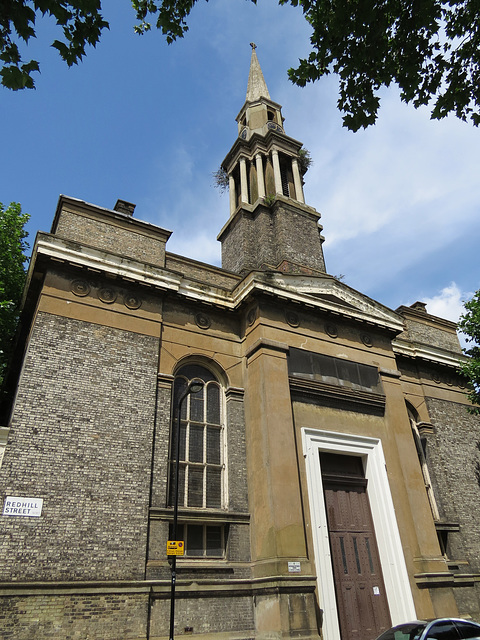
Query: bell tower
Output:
(270,226)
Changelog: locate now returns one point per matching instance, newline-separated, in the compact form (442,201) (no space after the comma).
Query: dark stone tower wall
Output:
(268,236)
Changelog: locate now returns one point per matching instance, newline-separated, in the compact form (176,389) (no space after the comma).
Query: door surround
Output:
(397,587)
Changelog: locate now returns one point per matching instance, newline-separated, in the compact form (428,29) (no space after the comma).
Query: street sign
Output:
(30,507)
(175,548)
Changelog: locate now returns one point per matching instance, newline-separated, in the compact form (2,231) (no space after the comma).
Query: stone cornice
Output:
(427,352)
(260,143)
(185,587)
(309,291)
(234,393)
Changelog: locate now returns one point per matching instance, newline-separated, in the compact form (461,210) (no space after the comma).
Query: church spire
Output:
(270,226)
(257,87)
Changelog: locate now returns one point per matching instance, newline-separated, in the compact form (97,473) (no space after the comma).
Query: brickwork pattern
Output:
(453,457)
(433,336)
(162,444)
(271,235)
(248,244)
(190,269)
(74,617)
(468,599)
(81,439)
(297,238)
(204,615)
(237,457)
(111,238)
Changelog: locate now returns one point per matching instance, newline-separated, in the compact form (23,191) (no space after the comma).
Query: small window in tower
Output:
(270,115)
(286,175)
(236,178)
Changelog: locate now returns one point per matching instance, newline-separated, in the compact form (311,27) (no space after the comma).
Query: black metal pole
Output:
(194,387)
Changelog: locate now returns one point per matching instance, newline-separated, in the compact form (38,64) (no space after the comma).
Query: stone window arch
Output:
(420,444)
(202,440)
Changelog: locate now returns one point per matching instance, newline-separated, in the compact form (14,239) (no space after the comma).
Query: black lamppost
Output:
(194,387)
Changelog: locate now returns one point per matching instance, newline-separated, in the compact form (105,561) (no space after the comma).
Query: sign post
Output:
(194,386)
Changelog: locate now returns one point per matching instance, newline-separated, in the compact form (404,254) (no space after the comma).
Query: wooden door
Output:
(361,599)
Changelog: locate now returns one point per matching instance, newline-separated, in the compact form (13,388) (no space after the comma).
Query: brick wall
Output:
(453,456)
(112,238)
(74,617)
(427,334)
(204,615)
(81,439)
(297,237)
(269,235)
(197,271)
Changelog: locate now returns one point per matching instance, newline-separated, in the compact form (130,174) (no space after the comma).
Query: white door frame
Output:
(397,587)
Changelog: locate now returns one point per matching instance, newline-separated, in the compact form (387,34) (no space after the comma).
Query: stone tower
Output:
(270,226)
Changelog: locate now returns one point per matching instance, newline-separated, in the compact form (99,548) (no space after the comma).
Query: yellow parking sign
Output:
(175,548)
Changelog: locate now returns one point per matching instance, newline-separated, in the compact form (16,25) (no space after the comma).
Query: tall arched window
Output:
(420,445)
(201,441)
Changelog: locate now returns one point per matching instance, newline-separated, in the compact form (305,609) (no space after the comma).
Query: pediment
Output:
(324,292)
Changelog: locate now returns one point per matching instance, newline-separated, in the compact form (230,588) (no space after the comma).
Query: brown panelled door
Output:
(361,600)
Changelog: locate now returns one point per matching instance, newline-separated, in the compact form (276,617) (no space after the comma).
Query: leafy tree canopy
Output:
(429,48)
(79,20)
(470,325)
(12,274)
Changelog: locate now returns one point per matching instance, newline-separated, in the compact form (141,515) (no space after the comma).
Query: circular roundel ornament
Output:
(132,302)
(367,340)
(80,288)
(331,330)
(292,318)
(107,295)
(202,321)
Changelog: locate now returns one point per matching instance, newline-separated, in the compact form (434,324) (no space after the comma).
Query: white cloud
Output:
(448,303)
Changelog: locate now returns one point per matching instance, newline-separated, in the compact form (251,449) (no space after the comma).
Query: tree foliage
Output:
(12,274)
(429,48)
(470,325)
(79,20)
(221,180)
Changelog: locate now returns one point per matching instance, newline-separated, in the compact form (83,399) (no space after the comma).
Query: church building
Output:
(326,470)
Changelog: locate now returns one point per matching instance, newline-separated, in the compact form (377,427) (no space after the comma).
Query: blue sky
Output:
(149,123)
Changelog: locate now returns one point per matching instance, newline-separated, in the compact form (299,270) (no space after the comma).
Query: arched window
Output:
(201,441)
(420,444)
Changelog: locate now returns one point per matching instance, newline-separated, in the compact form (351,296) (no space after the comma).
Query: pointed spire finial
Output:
(257,87)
